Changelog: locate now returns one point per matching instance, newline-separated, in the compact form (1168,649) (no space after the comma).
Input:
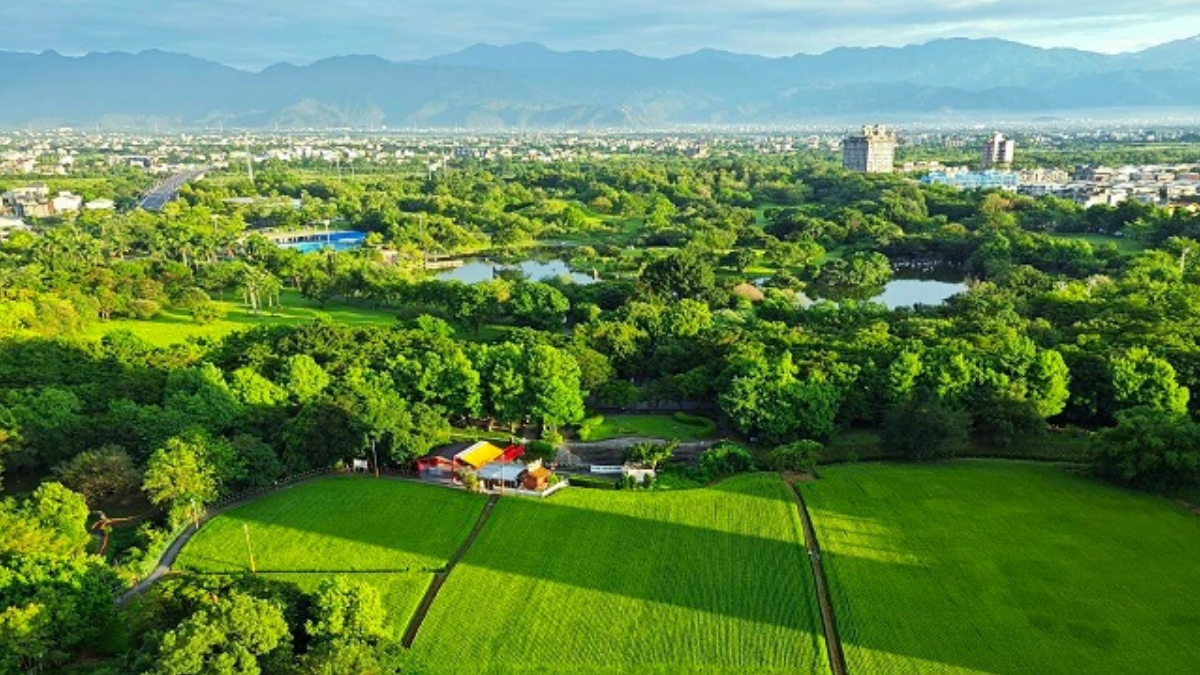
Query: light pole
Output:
(249,549)
(374,455)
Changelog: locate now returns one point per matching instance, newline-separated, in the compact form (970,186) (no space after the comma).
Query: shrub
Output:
(726,459)
(144,309)
(207,312)
(798,456)
(650,454)
(706,426)
(470,480)
(543,450)
(588,427)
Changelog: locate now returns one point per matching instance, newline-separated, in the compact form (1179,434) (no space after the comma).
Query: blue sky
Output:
(255,33)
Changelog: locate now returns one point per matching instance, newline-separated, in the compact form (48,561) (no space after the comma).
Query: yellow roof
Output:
(479,454)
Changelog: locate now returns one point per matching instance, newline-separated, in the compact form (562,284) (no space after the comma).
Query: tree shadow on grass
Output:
(564,542)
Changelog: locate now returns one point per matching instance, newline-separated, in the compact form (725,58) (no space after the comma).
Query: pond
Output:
(476,270)
(896,293)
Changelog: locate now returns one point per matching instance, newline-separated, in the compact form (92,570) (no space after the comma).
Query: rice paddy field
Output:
(391,534)
(713,580)
(985,567)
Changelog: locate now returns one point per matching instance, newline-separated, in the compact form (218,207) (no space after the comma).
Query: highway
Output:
(168,190)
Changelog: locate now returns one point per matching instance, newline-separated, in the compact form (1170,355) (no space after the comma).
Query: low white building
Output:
(66,202)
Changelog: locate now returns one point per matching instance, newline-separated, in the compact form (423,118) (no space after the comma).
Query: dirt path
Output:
(833,643)
(439,579)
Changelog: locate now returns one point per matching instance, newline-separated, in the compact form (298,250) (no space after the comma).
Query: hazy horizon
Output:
(302,31)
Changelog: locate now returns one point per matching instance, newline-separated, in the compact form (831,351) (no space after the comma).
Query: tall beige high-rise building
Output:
(872,151)
(999,151)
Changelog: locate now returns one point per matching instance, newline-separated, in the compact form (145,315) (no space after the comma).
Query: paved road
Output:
(612,451)
(168,190)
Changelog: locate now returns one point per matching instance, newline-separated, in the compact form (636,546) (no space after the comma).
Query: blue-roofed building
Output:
(974,180)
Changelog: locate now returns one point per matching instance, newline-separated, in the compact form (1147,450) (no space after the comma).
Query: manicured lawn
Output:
(603,427)
(1006,569)
(175,325)
(714,580)
(391,534)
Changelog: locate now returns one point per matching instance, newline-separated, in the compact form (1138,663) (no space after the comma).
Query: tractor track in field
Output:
(833,643)
(439,579)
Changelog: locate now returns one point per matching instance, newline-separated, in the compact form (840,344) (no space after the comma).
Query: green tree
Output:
(924,428)
(181,477)
(228,638)
(102,474)
(1140,379)
(1151,449)
(344,610)
(552,387)
(303,378)
(683,274)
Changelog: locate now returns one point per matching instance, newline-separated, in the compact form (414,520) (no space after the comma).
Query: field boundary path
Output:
(833,643)
(439,579)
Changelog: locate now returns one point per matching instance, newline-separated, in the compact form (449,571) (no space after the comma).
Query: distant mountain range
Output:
(529,86)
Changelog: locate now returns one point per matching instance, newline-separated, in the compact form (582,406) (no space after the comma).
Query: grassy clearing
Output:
(1006,569)
(680,427)
(390,534)
(176,325)
(1124,245)
(700,581)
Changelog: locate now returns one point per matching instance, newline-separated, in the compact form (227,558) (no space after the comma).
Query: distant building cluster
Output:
(871,151)
(1099,185)
(35,201)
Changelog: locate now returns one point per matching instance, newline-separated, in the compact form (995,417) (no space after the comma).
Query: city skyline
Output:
(302,31)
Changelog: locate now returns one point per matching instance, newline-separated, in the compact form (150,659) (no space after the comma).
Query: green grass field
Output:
(391,534)
(604,427)
(175,325)
(1006,569)
(714,580)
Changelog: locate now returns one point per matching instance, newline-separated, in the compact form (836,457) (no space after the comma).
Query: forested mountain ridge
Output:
(530,86)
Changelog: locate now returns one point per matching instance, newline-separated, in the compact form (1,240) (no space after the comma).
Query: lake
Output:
(476,270)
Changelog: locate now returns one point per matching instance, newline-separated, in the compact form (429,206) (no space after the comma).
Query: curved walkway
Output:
(833,643)
(167,559)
